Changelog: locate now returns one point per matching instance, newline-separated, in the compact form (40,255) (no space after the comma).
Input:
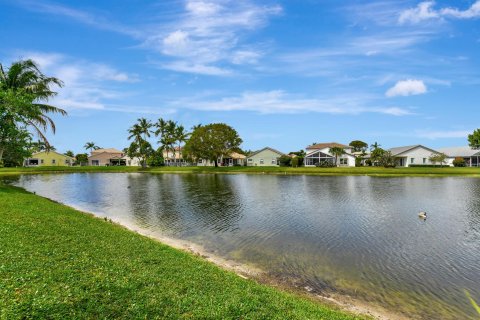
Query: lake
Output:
(351,235)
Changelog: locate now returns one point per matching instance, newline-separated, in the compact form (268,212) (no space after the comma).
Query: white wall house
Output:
(471,156)
(320,152)
(416,155)
(132,162)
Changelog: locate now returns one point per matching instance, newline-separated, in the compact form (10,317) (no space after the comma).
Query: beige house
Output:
(107,157)
(174,158)
(234,159)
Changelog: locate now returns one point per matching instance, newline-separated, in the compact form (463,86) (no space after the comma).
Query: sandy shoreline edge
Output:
(243,270)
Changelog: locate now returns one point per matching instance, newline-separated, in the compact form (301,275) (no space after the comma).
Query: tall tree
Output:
(166,135)
(91,146)
(181,136)
(358,146)
(140,147)
(24,82)
(474,139)
(212,142)
(374,146)
(336,152)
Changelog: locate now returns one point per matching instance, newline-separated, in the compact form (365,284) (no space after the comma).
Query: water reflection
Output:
(356,235)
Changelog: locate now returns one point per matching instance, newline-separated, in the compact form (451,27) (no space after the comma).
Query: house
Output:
(48,158)
(320,152)
(265,157)
(471,156)
(132,162)
(416,155)
(107,157)
(234,159)
(174,158)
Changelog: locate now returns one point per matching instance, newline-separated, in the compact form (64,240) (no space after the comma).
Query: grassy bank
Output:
(371,171)
(56,262)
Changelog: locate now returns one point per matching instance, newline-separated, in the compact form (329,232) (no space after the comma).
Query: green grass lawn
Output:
(373,171)
(58,263)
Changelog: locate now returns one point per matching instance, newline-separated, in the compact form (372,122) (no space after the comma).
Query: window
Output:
(200,161)
(343,161)
(41,161)
(261,161)
(274,161)
(412,160)
(250,160)
(424,160)
(53,161)
(95,163)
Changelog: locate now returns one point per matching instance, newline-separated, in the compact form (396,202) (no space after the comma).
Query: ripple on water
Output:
(356,235)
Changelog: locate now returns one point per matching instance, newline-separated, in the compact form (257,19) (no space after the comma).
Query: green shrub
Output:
(368,162)
(358,162)
(295,162)
(285,161)
(325,164)
(428,166)
(459,162)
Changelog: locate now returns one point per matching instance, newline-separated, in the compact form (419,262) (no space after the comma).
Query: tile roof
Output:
(399,150)
(464,151)
(327,145)
(266,148)
(108,150)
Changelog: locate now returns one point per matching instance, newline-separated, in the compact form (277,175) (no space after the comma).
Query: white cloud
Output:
(278,101)
(435,134)
(472,12)
(425,11)
(87,85)
(210,33)
(407,87)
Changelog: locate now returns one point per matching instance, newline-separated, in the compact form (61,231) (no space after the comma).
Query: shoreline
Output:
(466,172)
(245,271)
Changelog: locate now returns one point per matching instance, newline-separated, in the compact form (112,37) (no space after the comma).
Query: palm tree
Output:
(91,146)
(336,152)
(374,146)
(139,132)
(166,133)
(181,136)
(25,76)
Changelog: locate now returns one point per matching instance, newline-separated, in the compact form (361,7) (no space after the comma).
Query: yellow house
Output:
(48,158)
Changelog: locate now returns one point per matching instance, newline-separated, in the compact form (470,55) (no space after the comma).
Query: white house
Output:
(132,162)
(320,152)
(471,156)
(416,154)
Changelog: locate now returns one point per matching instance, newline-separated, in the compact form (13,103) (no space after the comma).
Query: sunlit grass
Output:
(58,263)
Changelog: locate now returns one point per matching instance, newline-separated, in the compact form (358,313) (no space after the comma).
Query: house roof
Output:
(236,155)
(61,154)
(266,148)
(399,150)
(464,151)
(324,145)
(107,150)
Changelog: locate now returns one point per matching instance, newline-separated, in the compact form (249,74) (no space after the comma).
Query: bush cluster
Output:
(459,162)
(325,164)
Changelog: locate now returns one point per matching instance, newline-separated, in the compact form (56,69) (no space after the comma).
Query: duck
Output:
(422,214)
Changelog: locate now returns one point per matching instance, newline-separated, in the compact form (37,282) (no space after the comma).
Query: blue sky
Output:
(283,73)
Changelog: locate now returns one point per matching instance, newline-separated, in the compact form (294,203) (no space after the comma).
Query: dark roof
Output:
(327,145)
(266,148)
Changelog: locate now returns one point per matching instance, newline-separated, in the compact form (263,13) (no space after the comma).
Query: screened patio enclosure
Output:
(318,157)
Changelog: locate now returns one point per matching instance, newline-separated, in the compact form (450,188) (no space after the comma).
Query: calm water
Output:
(355,235)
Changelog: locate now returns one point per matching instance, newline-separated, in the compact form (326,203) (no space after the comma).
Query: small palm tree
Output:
(91,146)
(374,146)
(336,152)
